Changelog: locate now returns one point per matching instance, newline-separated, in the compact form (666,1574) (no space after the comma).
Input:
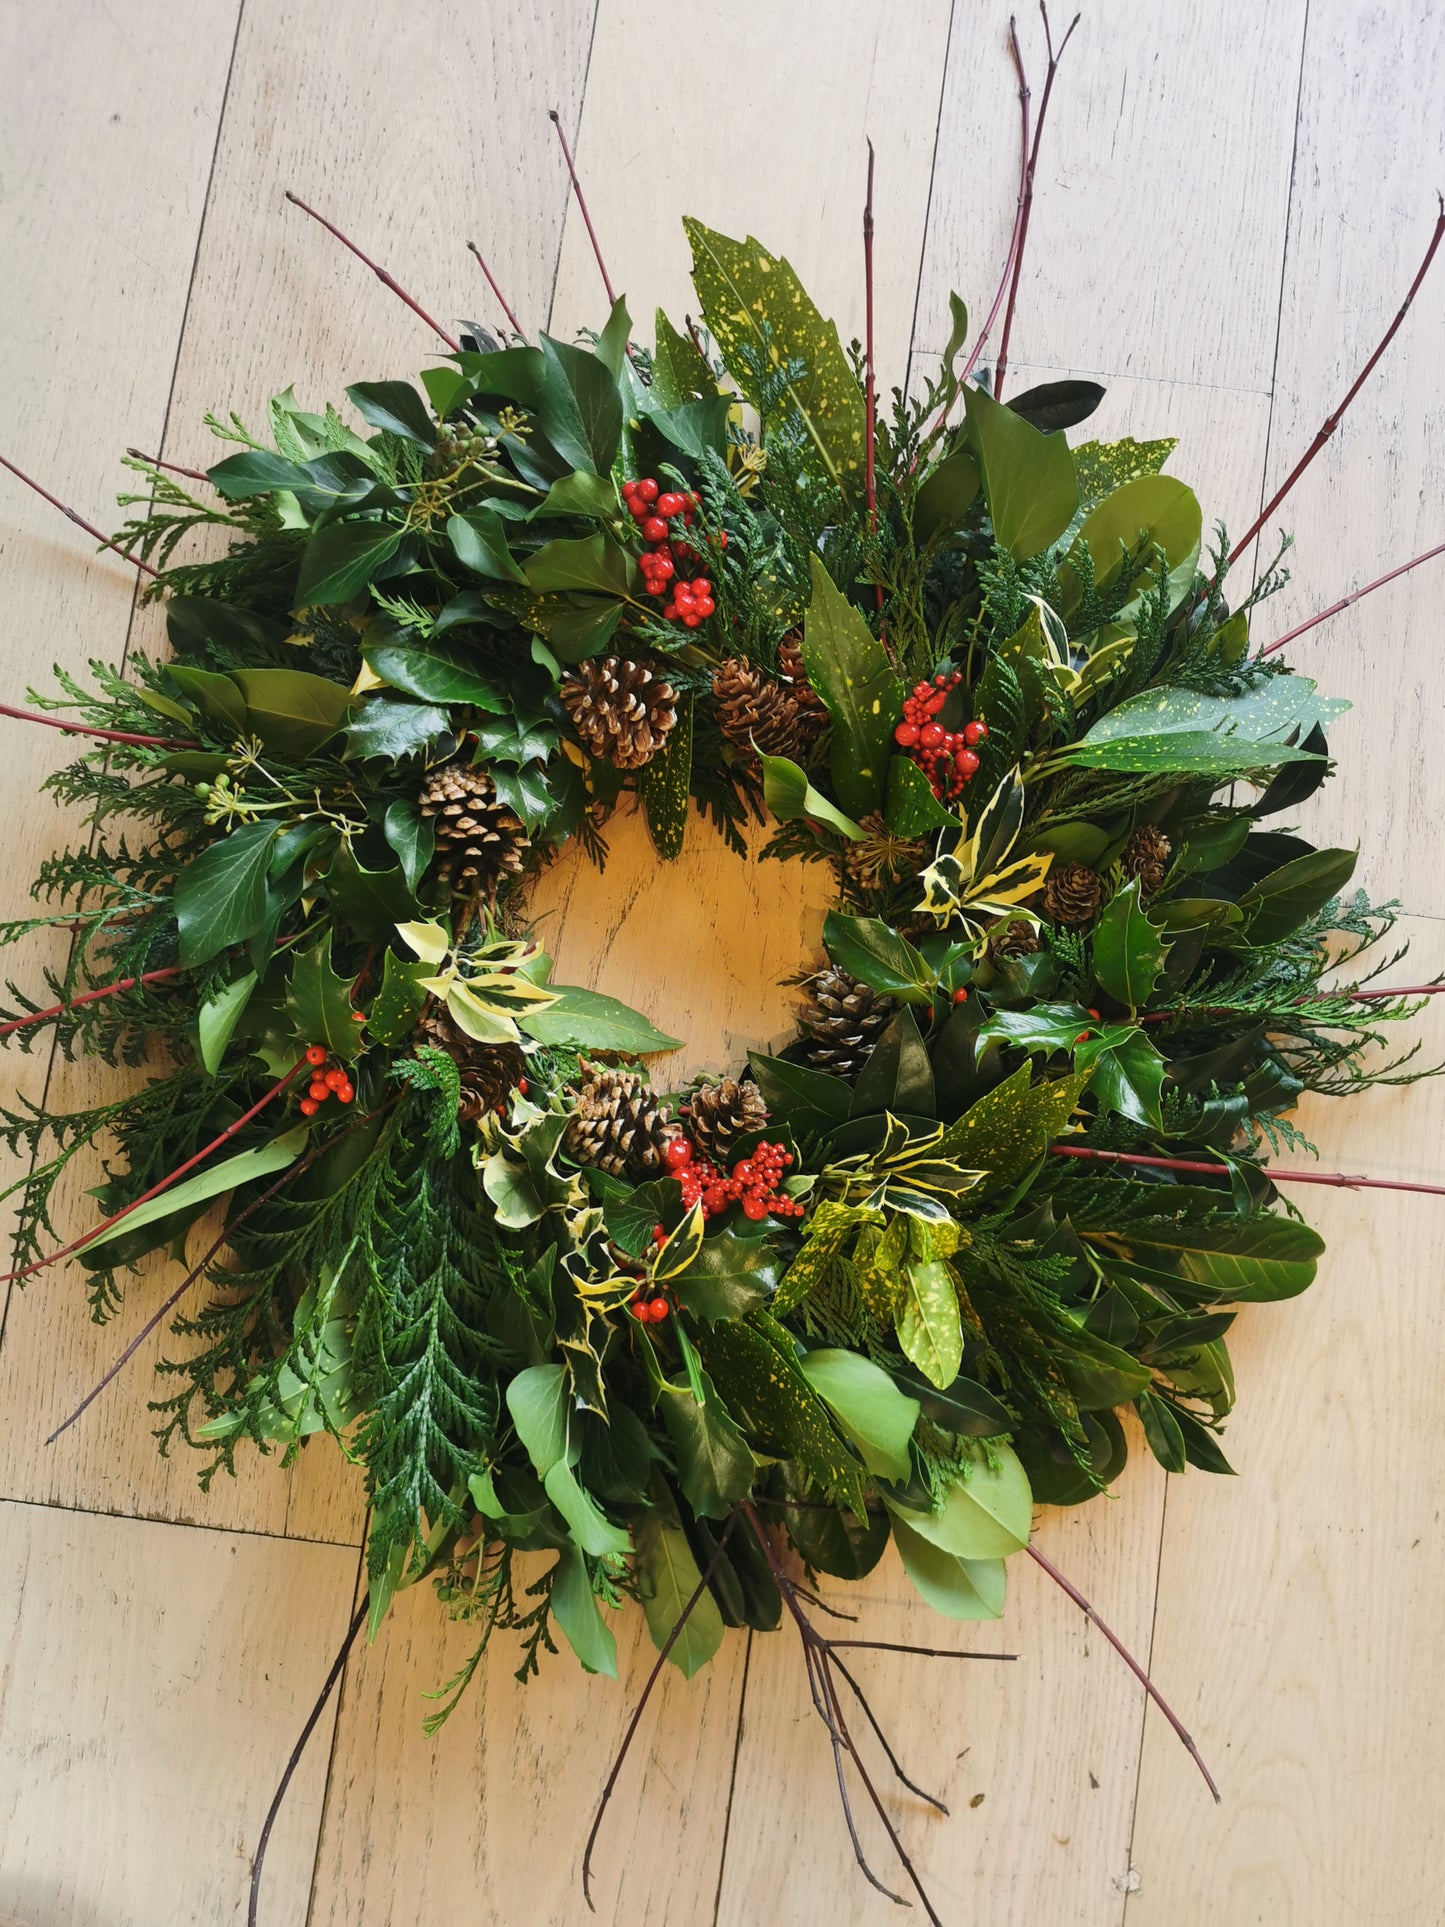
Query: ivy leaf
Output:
(586,1020)
(1128,952)
(714,1464)
(667,1579)
(396,407)
(957,1588)
(580,493)
(479,542)
(789,795)
(985,1515)
(400,1000)
(319,1004)
(666,780)
(756,307)
(1028,477)
(218,1016)
(872,951)
(578,406)
(868,1405)
(929,1322)
(220,895)
(575,1609)
(412,836)
(850,670)
(341,558)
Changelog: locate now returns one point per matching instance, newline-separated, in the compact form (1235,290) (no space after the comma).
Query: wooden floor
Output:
(1233,197)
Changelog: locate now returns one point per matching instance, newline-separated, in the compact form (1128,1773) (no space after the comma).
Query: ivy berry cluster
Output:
(753,1184)
(652,507)
(324,1083)
(947,757)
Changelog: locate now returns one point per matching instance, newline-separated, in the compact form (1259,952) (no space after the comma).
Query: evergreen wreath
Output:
(897,1279)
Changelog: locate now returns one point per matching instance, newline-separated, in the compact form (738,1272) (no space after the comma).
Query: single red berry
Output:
(705,607)
(663,566)
(1082,1037)
(316,1054)
(682,592)
(640,1311)
(670,503)
(960,996)
(658,1310)
(647,489)
(639,510)
(965,762)
(335,1078)
(309,1107)
(1092,1012)
(358,1016)
(701,585)
(715,1199)
(691,619)
(722,538)
(906,734)
(669,611)
(677,1153)
(755,1208)
(654,529)
(523,1086)
(974,733)
(655,586)
(930,736)
(345,1093)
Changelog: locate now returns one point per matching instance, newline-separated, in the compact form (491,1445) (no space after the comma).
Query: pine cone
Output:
(1146,856)
(843,1019)
(622,711)
(479,839)
(1016,939)
(1072,894)
(617,1124)
(719,1114)
(489,1072)
(776,715)
(792,672)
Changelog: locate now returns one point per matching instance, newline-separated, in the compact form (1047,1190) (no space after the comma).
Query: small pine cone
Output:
(1072,894)
(1146,856)
(489,1072)
(622,711)
(719,1114)
(479,839)
(792,672)
(843,1020)
(617,1124)
(763,713)
(881,858)
(1016,939)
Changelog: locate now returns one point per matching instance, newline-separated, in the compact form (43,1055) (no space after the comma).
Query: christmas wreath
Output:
(893,1280)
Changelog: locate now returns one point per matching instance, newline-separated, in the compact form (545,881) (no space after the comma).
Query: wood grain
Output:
(152,1681)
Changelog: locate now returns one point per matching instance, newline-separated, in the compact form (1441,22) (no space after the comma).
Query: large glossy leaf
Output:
(1128,951)
(292,711)
(220,895)
(342,558)
(1054,405)
(210,1183)
(586,1020)
(1280,708)
(679,373)
(1028,477)
(668,1577)
(1243,1261)
(437,672)
(753,301)
(1102,467)
(1010,1127)
(538,1402)
(790,1089)
(929,1323)
(912,808)
(986,1515)
(578,406)
(589,1527)
(1281,901)
(396,407)
(479,542)
(587,564)
(1202,753)
(789,795)
(850,670)
(957,1588)
(218,1016)
(714,1465)
(947,495)
(874,953)
(868,1405)
(575,1609)
(1155,510)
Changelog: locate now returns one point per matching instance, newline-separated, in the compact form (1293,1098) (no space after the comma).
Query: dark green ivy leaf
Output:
(220,895)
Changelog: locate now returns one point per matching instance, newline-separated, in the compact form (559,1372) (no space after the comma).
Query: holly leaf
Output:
(1129,953)
(388,727)
(730,1276)
(318,1002)
(400,1000)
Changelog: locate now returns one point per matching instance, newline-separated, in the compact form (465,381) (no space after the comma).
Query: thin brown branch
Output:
(100,735)
(154,461)
(386,280)
(1339,1180)
(492,284)
(1129,1660)
(337,1666)
(1028,199)
(1354,596)
(89,997)
(41,1264)
(79,520)
(1332,421)
(555,119)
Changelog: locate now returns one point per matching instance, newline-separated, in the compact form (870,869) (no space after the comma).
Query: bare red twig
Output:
(79,520)
(101,735)
(870,391)
(555,119)
(1028,199)
(1332,422)
(1129,1660)
(1354,596)
(1338,1179)
(492,284)
(386,280)
(89,997)
(154,461)
(41,1264)
(337,1666)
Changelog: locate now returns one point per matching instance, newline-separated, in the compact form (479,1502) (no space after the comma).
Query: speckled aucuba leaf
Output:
(826,1233)
(1006,1129)
(850,670)
(665,783)
(928,1323)
(753,300)
(1101,467)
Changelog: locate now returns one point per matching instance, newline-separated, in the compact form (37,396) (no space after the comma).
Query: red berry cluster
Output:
(688,601)
(650,1304)
(947,757)
(333,1083)
(753,1184)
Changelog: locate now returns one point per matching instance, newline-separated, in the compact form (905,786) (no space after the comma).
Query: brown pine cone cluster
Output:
(479,838)
(719,1114)
(778,715)
(622,711)
(1146,856)
(1072,894)
(1016,939)
(617,1124)
(489,1072)
(843,1019)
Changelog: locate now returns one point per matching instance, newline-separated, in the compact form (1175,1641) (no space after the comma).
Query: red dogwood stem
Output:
(41,1264)
(79,520)
(386,280)
(101,735)
(1355,595)
(555,119)
(1337,1178)
(89,997)
(492,284)
(1332,422)
(154,461)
